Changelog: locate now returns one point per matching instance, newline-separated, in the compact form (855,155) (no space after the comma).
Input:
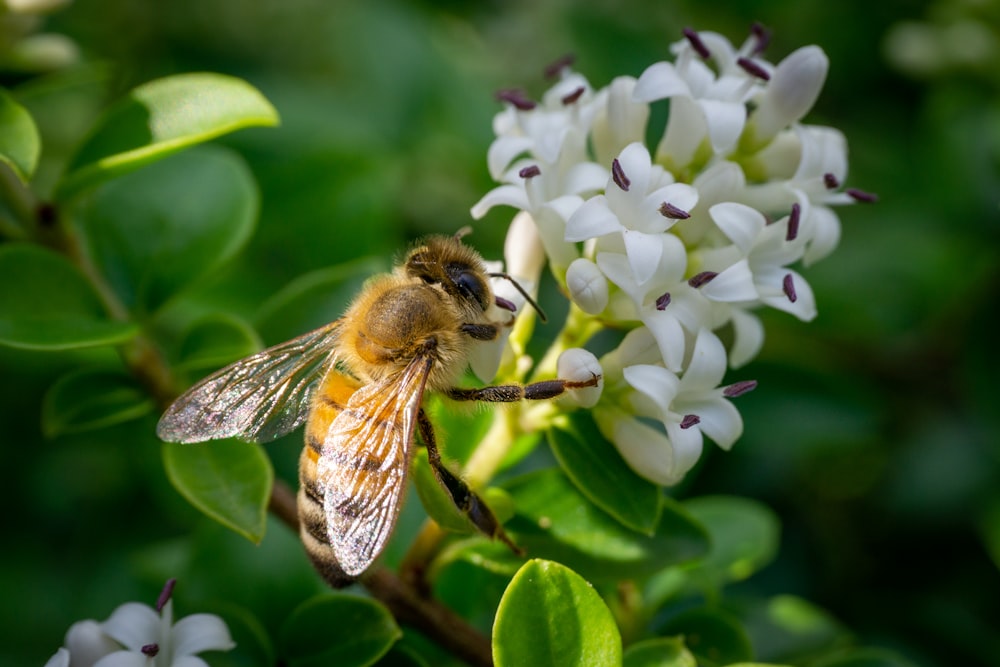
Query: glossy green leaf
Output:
(401,656)
(216,340)
(160,118)
(20,145)
(157,231)
(52,307)
(90,399)
(659,652)
(792,629)
(597,469)
(228,480)
(553,520)
(337,629)
(713,636)
(550,615)
(744,538)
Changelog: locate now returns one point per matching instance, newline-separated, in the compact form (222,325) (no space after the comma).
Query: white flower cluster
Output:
(674,244)
(136,635)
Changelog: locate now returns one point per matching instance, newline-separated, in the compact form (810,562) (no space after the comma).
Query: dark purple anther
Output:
(618,174)
(555,68)
(696,43)
(150,650)
(574,96)
(690,420)
(753,69)
(668,210)
(505,304)
(663,301)
(862,196)
(165,594)
(530,171)
(830,181)
(793,222)
(517,98)
(763,36)
(788,287)
(739,388)
(700,279)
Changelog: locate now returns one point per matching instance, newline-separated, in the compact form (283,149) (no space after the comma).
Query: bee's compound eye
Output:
(469,285)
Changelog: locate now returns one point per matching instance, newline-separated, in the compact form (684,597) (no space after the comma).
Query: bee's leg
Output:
(510,393)
(465,499)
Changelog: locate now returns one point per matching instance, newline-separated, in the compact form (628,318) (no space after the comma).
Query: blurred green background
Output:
(874,432)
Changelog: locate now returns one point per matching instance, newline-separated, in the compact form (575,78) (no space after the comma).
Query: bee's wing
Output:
(258,398)
(362,468)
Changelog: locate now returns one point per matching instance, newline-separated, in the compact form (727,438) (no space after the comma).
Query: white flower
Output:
(791,92)
(754,268)
(641,201)
(137,635)
(587,286)
(579,365)
(688,406)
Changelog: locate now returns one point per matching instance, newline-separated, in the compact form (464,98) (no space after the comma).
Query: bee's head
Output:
(447,262)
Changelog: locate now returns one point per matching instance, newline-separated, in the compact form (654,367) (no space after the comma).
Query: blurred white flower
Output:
(140,636)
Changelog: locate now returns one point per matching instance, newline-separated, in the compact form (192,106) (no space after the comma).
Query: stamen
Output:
(668,210)
(700,279)
(517,98)
(695,40)
(793,222)
(663,301)
(165,594)
(618,174)
(763,36)
(555,68)
(690,420)
(150,650)
(530,171)
(505,304)
(830,181)
(574,96)
(788,287)
(739,388)
(753,69)
(862,196)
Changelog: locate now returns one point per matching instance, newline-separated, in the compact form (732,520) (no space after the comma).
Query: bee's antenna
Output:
(463,232)
(527,297)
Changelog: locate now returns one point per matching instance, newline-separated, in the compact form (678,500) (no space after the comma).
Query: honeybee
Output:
(358,384)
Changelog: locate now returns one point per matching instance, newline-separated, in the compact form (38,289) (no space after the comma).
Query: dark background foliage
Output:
(873,433)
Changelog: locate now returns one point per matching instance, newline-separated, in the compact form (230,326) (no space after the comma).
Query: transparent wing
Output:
(362,469)
(258,398)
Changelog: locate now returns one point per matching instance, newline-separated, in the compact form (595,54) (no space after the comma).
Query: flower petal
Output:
(502,152)
(739,222)
(133,625)
(644,252)
(707,365)
(656,383)
(687,446)
(591,220)
(645,449)
(720,421)
(587,286)
(60,659)
(725,122)
(804,306)
(87,643)
(658,81)
(124,659)
(510,195)
(748,337)
(735,284)
(669,335)
(200,632)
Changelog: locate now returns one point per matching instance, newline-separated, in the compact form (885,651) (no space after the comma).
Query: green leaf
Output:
(792,629)
(597,469)
(160,230)
(90,399)
(712,635)
(553,520)
(19,142)
(550,615)
(160,118)
(659,652)
(53,307)
(864,657)
(744,537)
(338,629)
(228,480)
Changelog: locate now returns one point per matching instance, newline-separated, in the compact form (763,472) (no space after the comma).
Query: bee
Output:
(358,384)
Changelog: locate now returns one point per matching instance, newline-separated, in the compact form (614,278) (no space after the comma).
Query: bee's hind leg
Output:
(465,499)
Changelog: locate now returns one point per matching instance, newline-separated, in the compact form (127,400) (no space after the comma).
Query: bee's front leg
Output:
(510,393)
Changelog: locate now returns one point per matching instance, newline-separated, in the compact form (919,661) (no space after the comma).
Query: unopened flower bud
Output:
(587,286)
(792,91)
(579,365)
